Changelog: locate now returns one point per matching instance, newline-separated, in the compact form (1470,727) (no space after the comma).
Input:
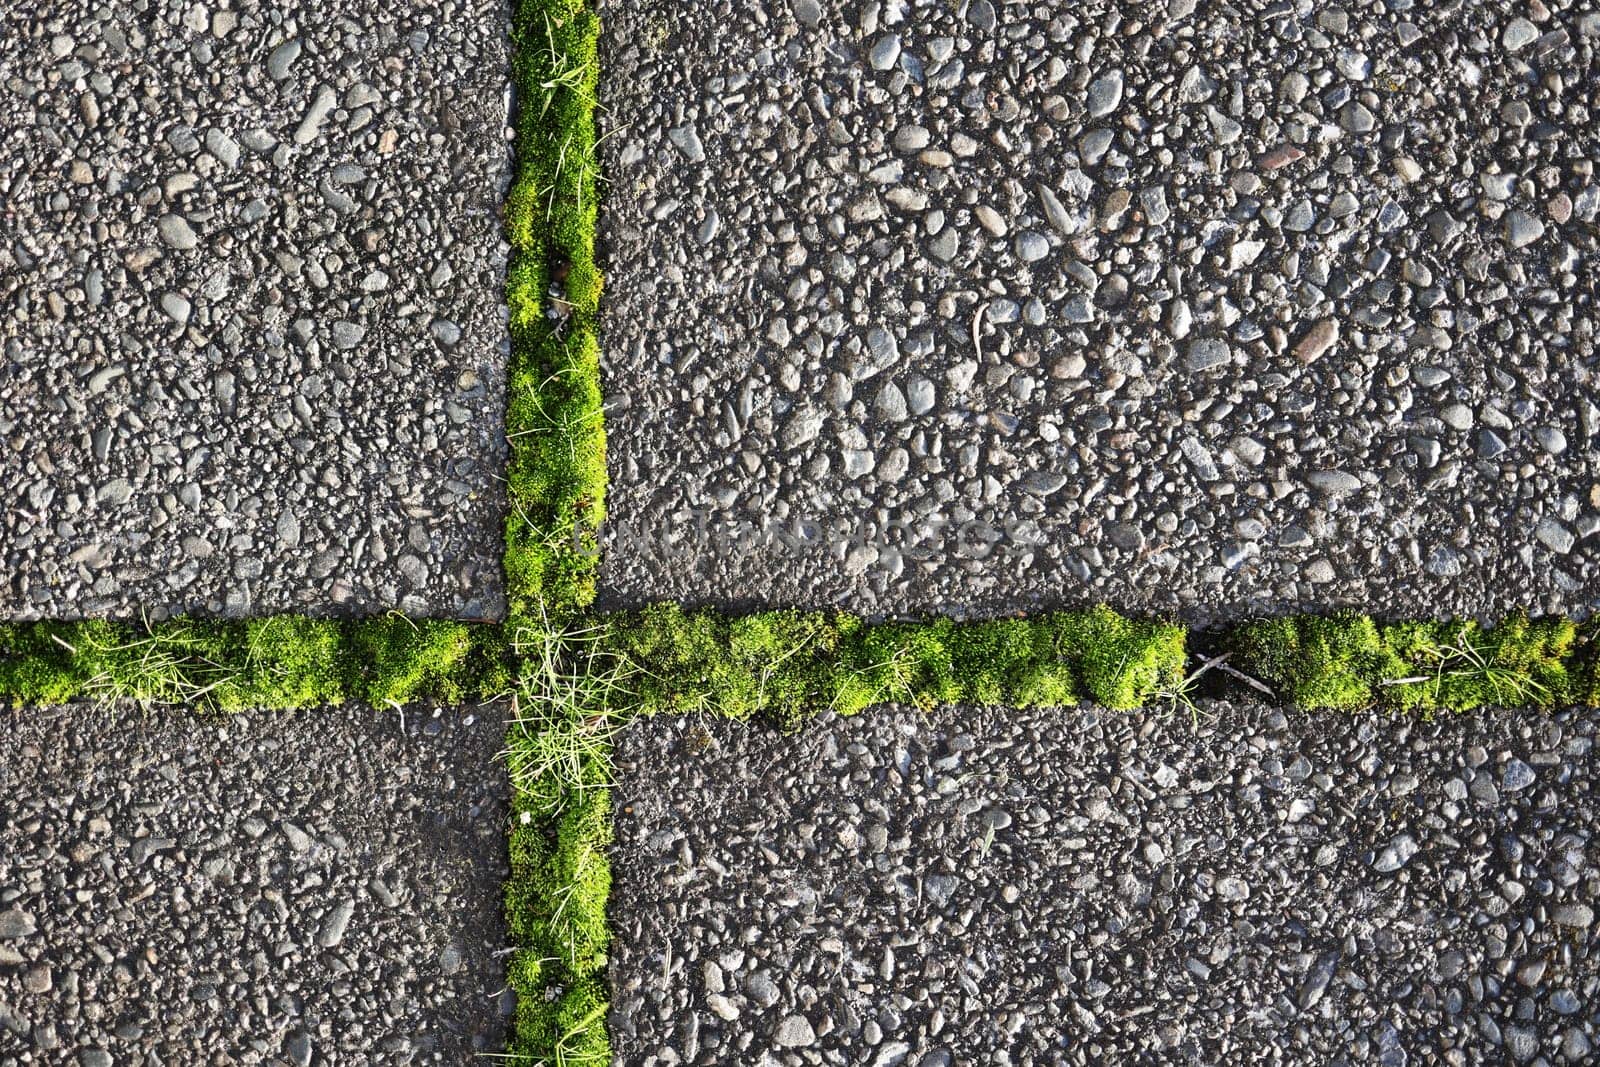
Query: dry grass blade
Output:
(564,709)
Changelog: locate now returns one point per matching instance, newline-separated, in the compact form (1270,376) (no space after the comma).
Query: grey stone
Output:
(445,332)
(176,232)
(1032,247)
(1208,353)
(944,245)
(794,1031)
(337,922)
(1521,228)
(1396,854)
(1551,439)
(763,990)
(1153,201)
(1356,118)
(687,140)
(1334,483)
(1056,213)
(921,395)
(1317,980)
(1518,776)
(322,104)
(281,58)
(177,307)
(885,52)
(16,924)
(1521,1043)
(1043,483)
(1105,94)
(1519,34)
(223,147)
(802,428)
(1457,416)
(1200,458)
(891,402)
(347,334)
(1078,308)
(1554,535)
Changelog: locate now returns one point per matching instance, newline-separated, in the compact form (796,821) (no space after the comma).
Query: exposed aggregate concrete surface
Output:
(250,307)
(1012,888)
(921,305)
(282,888)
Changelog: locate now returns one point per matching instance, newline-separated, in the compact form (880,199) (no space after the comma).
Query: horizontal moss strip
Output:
(278,662)
(790,665)
(786,666)
(1349,661)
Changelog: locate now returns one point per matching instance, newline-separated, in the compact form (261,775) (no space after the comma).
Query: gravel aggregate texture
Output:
(918,305)
(320,887)
(999,887)
(251,307)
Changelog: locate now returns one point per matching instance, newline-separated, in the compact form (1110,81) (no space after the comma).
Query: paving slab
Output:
(278,888)
(251,307)
(1227,884)
(917,305)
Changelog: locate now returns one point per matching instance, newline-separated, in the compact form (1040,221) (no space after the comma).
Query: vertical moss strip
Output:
(557,476)
(556,914)
(561,875)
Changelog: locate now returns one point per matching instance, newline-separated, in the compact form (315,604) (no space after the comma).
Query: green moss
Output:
(276,662)
(679,652)
(777,662)
(900,663)
(182,661)
(1458,666)
(774,663)
(288,662)
(988,659)
(1123,663)
(1348,661)
(1585,660)
(1314,661)
(557,473)
(581,876)
(402,660)
(555,909)
(47,663)
(556,482)
(791,665)
(581,1022)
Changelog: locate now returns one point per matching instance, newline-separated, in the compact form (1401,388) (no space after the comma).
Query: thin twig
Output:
(1253,683)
